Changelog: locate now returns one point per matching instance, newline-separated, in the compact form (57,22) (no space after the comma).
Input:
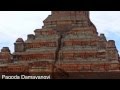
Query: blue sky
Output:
(15,24)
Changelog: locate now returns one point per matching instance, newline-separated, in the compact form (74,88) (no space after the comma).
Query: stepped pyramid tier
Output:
(73,34)
(67,42)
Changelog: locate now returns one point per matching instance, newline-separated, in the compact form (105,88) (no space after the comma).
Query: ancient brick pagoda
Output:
(67,45)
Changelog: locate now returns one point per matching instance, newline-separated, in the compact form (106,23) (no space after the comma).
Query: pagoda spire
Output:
(67,17)
(69,13)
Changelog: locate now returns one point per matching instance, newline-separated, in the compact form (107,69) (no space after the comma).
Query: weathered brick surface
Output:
(67,43)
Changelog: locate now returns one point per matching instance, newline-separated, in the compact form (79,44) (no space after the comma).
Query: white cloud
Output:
(106,21)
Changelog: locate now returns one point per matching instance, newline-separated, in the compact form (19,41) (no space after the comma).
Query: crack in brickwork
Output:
(59,46)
